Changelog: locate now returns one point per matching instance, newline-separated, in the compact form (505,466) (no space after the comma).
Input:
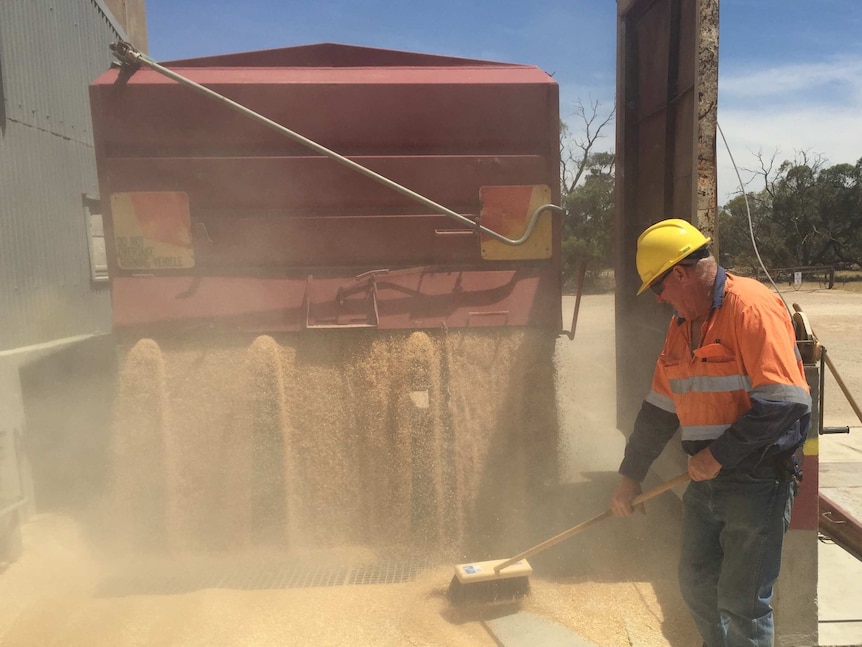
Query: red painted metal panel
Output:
(806,512)
(364,111)
(311,242)
(322,186)
(406,299)
(329,55)
(241,220)
(267,213)
(844,529)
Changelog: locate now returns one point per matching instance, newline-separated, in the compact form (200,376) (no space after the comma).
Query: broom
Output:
(504,580)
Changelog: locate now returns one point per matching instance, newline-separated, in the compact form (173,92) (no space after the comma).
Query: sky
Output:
(790,71)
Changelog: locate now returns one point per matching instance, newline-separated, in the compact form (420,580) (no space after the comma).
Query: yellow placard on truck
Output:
(152,230)
(507,210)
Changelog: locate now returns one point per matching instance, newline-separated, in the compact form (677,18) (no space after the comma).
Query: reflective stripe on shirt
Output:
(703,432)
(783,393)
(711,384)
(662,402)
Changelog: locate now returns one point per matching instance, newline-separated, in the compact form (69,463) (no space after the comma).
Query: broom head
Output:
(479,583)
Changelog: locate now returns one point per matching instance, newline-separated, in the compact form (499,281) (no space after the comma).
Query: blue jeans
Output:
(733,531)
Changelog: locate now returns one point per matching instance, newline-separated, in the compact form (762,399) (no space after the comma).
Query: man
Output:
(731,379)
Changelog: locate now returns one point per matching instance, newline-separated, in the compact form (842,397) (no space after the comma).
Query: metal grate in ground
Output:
(387,573)
(257,576)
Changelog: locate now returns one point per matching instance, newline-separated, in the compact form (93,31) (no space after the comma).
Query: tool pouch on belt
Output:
(789,470)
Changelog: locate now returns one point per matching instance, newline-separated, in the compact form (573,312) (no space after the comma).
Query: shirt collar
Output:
(718,289)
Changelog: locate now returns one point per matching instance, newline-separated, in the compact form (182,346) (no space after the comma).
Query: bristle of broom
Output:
(487,591)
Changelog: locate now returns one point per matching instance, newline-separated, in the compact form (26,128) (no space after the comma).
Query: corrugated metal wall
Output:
(50,50)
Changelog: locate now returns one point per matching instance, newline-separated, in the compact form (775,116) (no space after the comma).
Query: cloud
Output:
(782,111)
(802,81)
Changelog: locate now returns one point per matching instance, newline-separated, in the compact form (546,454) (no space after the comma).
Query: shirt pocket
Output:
(714,354)
(719,387)
(715,369)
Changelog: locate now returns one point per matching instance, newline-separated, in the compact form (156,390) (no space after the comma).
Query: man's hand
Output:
(621,501)
(703,466)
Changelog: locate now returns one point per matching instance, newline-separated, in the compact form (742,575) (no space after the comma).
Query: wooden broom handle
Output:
(574,530)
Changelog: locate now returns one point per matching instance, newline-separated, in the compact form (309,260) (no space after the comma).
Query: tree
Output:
(735,233)
(588,228)
(587,184)
(838,231)
(806,214)
(795,210)
(575,152)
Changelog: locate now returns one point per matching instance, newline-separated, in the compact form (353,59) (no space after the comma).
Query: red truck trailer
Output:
(311,353)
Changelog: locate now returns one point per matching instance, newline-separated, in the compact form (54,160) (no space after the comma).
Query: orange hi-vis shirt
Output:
(742,391)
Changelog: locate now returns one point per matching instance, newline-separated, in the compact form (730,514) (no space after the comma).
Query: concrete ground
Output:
(595,445)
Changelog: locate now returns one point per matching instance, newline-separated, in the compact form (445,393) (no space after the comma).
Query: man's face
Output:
(676,290)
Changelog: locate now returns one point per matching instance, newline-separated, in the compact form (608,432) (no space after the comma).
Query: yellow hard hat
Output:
(665,244)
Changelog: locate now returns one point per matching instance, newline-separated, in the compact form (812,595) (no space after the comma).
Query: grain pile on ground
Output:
(616,584)
(54,595)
